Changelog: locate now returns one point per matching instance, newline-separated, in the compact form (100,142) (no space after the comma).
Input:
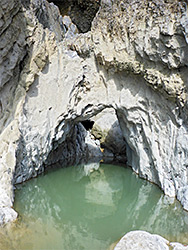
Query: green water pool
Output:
(90,207)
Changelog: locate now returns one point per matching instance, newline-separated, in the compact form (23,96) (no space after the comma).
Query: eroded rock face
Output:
(107,130)
(141,78)
(12,52)
(18,27)
(134,60)
(141,59)
(82,12)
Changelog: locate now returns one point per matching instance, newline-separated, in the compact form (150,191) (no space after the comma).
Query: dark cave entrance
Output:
(81,12)
(88,124)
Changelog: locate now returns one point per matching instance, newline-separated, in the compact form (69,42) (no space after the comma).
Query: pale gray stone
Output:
(106,128)
(141,240)
(132,61)
(178,246)
(183,196)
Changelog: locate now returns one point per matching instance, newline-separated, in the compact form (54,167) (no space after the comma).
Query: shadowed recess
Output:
(81,12)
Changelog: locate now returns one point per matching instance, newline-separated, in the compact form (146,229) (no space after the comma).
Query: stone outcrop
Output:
(19,26)
(107,130)
(140,70)
(134,60)
(12,52)
(139,240)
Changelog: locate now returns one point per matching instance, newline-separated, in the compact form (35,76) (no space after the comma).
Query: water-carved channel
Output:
(91,207)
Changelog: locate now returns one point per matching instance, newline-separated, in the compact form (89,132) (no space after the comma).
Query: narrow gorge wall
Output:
(134,60)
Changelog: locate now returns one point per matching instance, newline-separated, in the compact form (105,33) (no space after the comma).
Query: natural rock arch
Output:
(128,61)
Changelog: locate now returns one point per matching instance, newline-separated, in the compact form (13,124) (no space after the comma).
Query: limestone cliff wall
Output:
(12,52)
(140,48)
(133,60)
(21,58)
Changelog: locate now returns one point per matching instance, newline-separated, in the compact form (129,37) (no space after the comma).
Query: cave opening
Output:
(81,12)
(103,132)
(88,124)
(94,138)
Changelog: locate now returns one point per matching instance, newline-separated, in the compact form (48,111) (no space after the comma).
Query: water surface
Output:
(90,207)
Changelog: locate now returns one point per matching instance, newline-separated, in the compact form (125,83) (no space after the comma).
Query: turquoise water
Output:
(91,207)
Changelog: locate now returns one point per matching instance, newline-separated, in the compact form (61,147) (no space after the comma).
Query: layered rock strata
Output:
(134,60)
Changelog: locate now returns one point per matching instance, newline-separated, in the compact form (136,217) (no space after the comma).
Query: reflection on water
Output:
(90,207)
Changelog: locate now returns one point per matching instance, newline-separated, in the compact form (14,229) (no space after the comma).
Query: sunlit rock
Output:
(141,240)
(134,60)
(106,129)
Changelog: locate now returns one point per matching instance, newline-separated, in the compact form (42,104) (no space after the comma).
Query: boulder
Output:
(141,240)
